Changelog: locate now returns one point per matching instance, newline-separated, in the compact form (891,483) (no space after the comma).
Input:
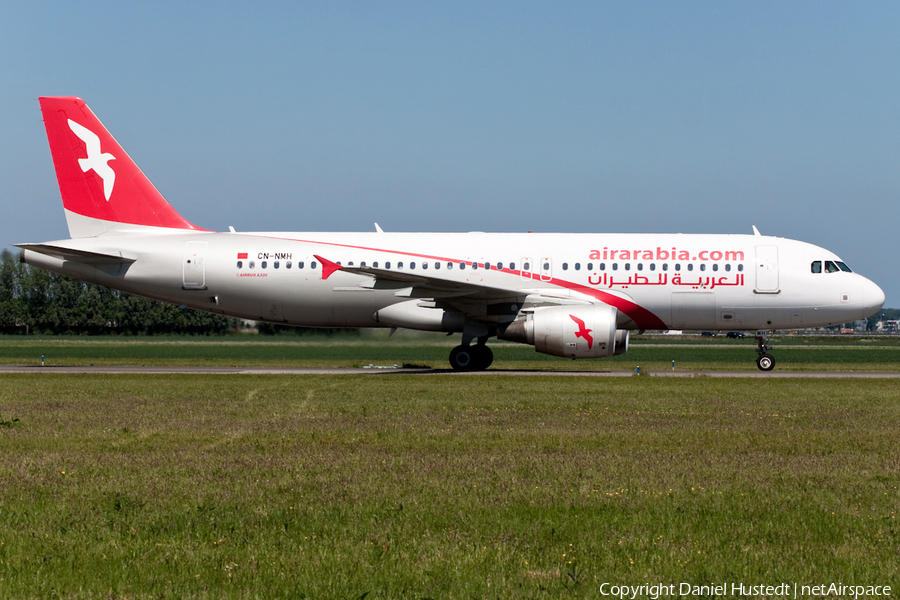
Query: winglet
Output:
(328,267)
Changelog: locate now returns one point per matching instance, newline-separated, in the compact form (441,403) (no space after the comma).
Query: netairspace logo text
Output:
(787,590)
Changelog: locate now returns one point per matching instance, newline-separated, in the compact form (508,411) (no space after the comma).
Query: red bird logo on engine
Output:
(583,332)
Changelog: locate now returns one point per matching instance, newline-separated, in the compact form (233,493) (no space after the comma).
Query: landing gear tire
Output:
(471,358)
(483,357)
(765,362)
(462,358)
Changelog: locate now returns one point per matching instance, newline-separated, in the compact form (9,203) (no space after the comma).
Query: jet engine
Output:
(621,342)
(580,331)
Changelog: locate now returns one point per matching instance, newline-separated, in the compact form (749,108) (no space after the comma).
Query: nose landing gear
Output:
(764,360)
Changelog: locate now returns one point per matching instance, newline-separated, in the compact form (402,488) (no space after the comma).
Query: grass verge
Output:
(739,356)
(399,486)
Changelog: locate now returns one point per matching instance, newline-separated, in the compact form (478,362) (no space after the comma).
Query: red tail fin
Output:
(97,179)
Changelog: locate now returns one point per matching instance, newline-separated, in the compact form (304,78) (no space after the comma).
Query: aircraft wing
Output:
(463,295)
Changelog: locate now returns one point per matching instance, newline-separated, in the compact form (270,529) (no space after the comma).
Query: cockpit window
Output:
(843,267)
(830,267)
(816,266)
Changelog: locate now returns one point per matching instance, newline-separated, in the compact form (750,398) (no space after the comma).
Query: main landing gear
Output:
(466,357)
(764,360)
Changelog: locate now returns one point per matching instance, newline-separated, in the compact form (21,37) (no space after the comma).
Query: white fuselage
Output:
(670,281)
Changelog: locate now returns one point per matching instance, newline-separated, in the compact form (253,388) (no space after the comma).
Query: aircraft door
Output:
(546,269)
(194,267)
(527,266)
(475,274)
(767,270)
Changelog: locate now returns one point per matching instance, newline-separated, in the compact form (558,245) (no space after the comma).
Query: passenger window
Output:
(843,267)
(449,265)
(312,265)
(703,267)
(727,267)
(300,264)
(462,266)
(665,266)
(262,265)
(276,264)
(362,264)
(412,265)
(387,265)
(590,266)
(602,266)
(437,265)
(287,265)
(615,266)
(678,266)
(399,264)
(690,266)
(499,266)
(816,266)
(474,266)
(252,265)
(350,264)
(527,266)
(375,265)
(512,266)
(546,266)
(627,266)
(830,267)
(715,267)
(577,266)
(240,264)
(565,266)
(740,267)
(640,266)
(652,266)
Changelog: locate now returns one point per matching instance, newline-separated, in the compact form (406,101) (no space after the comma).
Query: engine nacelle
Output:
(580,331)
(621,342)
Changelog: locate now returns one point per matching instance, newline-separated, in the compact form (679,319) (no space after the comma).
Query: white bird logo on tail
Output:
(96,160)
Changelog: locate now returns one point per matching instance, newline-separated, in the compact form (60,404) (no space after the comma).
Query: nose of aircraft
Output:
(872,299)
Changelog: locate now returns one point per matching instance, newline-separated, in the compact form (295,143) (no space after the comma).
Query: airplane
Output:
(568,295)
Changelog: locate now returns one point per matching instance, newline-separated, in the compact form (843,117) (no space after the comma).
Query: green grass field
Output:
(650,354)
(140,486)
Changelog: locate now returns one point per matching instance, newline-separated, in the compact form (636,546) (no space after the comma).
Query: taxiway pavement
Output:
(388,370)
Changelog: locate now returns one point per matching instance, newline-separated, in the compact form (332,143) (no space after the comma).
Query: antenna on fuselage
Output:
(378,228)
(756,231)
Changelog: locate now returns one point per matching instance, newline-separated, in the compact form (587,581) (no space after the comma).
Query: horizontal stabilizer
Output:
(83,256)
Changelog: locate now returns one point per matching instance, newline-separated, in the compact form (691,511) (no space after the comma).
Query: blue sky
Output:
(693,117)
